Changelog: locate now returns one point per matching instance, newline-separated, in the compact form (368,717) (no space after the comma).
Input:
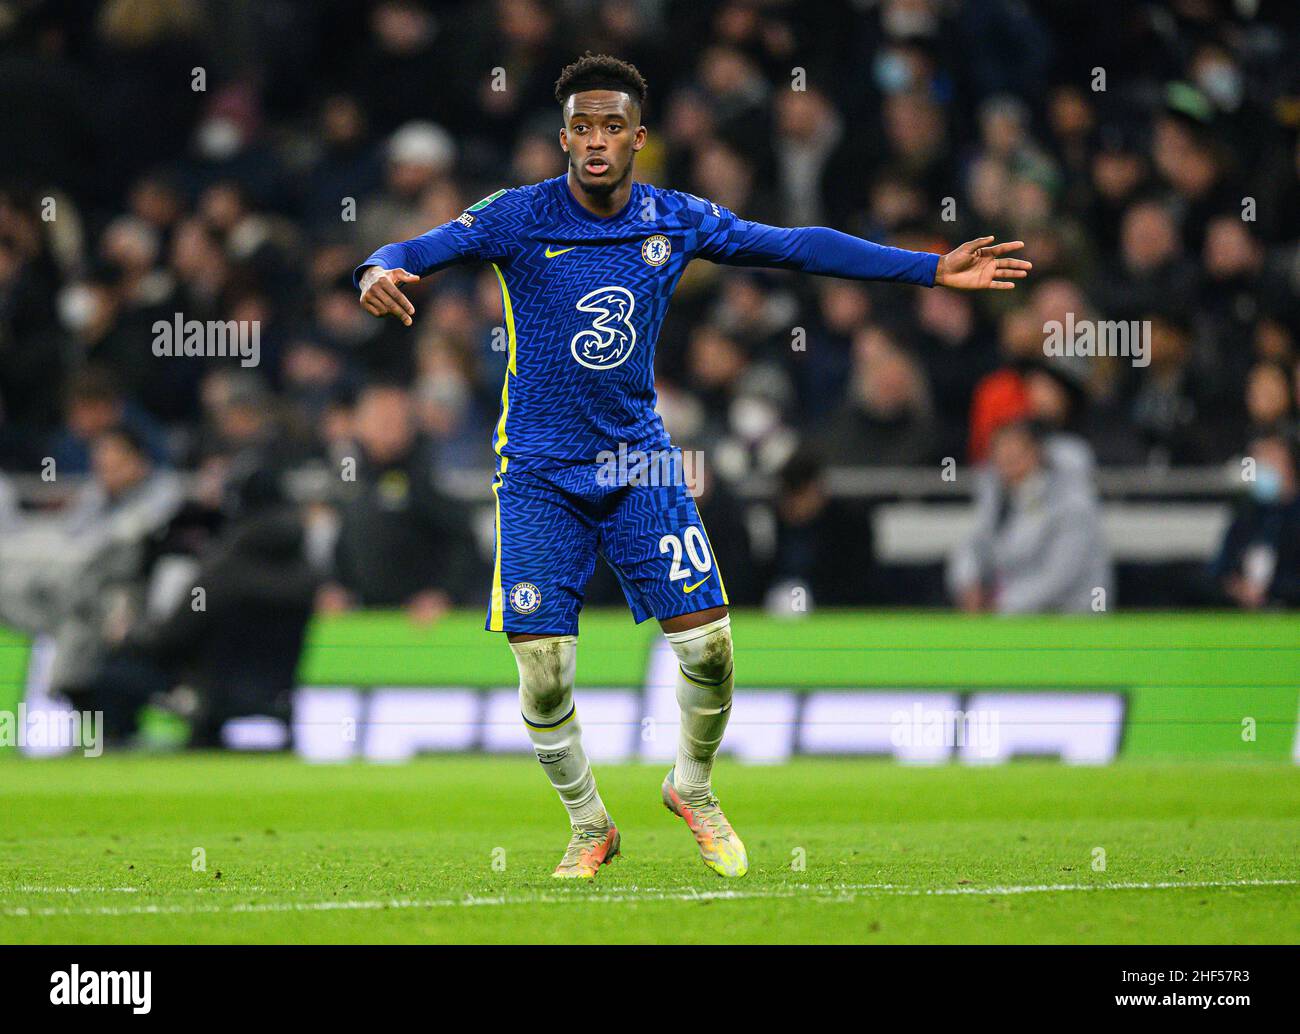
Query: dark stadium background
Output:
(234,161)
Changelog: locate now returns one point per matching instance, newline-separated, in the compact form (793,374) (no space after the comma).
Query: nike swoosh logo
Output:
(692,588)
(552,254)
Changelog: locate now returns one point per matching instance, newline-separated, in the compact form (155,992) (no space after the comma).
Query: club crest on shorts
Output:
(525,597)
(656,250)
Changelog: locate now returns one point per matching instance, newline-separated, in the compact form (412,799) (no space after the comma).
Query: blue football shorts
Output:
(552,524)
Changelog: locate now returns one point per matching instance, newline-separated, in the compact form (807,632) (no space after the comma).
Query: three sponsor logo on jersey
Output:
(609,340)
(611,337)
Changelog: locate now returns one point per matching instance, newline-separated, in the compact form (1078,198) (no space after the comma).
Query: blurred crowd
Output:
(234,162)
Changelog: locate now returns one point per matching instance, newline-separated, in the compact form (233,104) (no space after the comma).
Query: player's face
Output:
(601,135)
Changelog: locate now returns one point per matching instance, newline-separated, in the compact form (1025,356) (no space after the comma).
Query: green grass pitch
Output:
(460,850)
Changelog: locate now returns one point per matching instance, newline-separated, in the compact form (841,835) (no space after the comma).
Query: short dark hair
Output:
(600,72)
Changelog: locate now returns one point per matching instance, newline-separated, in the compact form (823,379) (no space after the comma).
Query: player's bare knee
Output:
(705,653)
(546,671)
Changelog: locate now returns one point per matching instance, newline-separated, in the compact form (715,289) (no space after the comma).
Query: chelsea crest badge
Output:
(525,598)
(656,250)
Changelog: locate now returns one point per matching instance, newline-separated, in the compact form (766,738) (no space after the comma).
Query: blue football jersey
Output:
(584,298)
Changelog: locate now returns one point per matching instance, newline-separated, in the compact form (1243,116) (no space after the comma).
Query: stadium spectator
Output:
(757,311)
(744,404)
(95,404)
(816,160)
(1190,158)
(1235,289)
(400,542)
(31,340)
(821,368)
(1172,402)
(344,166)
(233,638)
(956,350)
(1119,173)
(1037,544)
(447,409)
(1259,561)
(824,548)
(388,67)
(1057,391)
(737,92)
(1270,399)
(245,429)
(76,575)
(888,418)
(1001,396)
(1152,273)
(420,155)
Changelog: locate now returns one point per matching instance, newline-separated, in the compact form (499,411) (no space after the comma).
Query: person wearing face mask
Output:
(1259,562)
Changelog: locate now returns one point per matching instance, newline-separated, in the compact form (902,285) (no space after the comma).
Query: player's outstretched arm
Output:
(980,264)
(469,238)
(381,292)
(975,265)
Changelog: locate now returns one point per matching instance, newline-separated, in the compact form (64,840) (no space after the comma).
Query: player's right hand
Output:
(381,293)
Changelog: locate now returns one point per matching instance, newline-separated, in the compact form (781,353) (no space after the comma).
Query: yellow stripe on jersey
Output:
(496,611)
(509,311)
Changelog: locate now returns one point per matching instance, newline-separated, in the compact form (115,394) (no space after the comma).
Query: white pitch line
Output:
(130,890)
(1053,888)
(77,890)
(841,893)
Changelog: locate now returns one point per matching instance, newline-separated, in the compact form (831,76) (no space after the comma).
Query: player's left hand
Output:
(979,264)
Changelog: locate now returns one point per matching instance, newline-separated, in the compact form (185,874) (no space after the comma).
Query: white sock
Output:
(546,670)
(705,678)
